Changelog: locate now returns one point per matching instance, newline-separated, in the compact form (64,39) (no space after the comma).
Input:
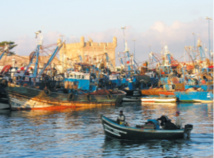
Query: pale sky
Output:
(152,24)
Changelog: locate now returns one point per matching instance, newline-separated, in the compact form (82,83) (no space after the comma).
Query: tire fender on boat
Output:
(71,96)
(47,91)
(89,97)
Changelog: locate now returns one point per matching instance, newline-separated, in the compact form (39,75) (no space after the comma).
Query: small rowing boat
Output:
(114,130)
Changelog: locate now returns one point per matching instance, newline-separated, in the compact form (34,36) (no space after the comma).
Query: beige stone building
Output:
(89,51)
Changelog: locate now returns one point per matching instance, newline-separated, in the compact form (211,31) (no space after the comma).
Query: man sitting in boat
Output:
(166,123)
(121,118)
(178,121)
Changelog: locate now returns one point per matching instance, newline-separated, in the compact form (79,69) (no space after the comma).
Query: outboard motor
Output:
(187,129)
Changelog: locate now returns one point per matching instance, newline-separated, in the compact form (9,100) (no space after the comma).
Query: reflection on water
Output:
(79,133)
(158,148)
(200,114)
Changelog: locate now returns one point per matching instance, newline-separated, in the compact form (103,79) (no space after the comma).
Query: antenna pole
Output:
(124,38)
(209,32)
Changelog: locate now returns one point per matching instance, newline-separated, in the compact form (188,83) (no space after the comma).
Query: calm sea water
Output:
(79,133)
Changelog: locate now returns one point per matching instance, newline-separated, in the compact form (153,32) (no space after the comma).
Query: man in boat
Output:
(178,121)
(166,123)
(121,118)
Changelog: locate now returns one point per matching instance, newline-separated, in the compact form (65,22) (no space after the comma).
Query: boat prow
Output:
(4,106)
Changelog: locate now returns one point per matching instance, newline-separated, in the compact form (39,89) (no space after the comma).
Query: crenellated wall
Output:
(70,52)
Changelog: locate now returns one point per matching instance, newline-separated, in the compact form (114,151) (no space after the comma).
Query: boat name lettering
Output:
(113,131)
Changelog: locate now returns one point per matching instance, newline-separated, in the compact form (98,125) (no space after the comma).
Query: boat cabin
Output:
(79,80)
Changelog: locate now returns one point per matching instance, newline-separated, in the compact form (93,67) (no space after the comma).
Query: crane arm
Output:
(51,59)
(6,48)
(31,61)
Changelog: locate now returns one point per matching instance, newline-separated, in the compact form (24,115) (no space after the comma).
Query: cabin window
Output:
(86,76)
(82,76)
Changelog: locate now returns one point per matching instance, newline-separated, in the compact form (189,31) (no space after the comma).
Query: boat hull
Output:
(153,91)
(194,96)
(4,106)
(4,103)
(133,93)
(131,99)
(159,99)
(132,96)
(112,129)
(24,98)
(167,93)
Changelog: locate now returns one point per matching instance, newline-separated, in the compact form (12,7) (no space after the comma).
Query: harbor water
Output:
(79,132)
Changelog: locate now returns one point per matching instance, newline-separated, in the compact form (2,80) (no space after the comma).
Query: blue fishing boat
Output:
(82,80)
(194,96)
(134,80)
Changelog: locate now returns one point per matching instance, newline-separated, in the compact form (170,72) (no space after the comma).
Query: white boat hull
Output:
(158,100)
